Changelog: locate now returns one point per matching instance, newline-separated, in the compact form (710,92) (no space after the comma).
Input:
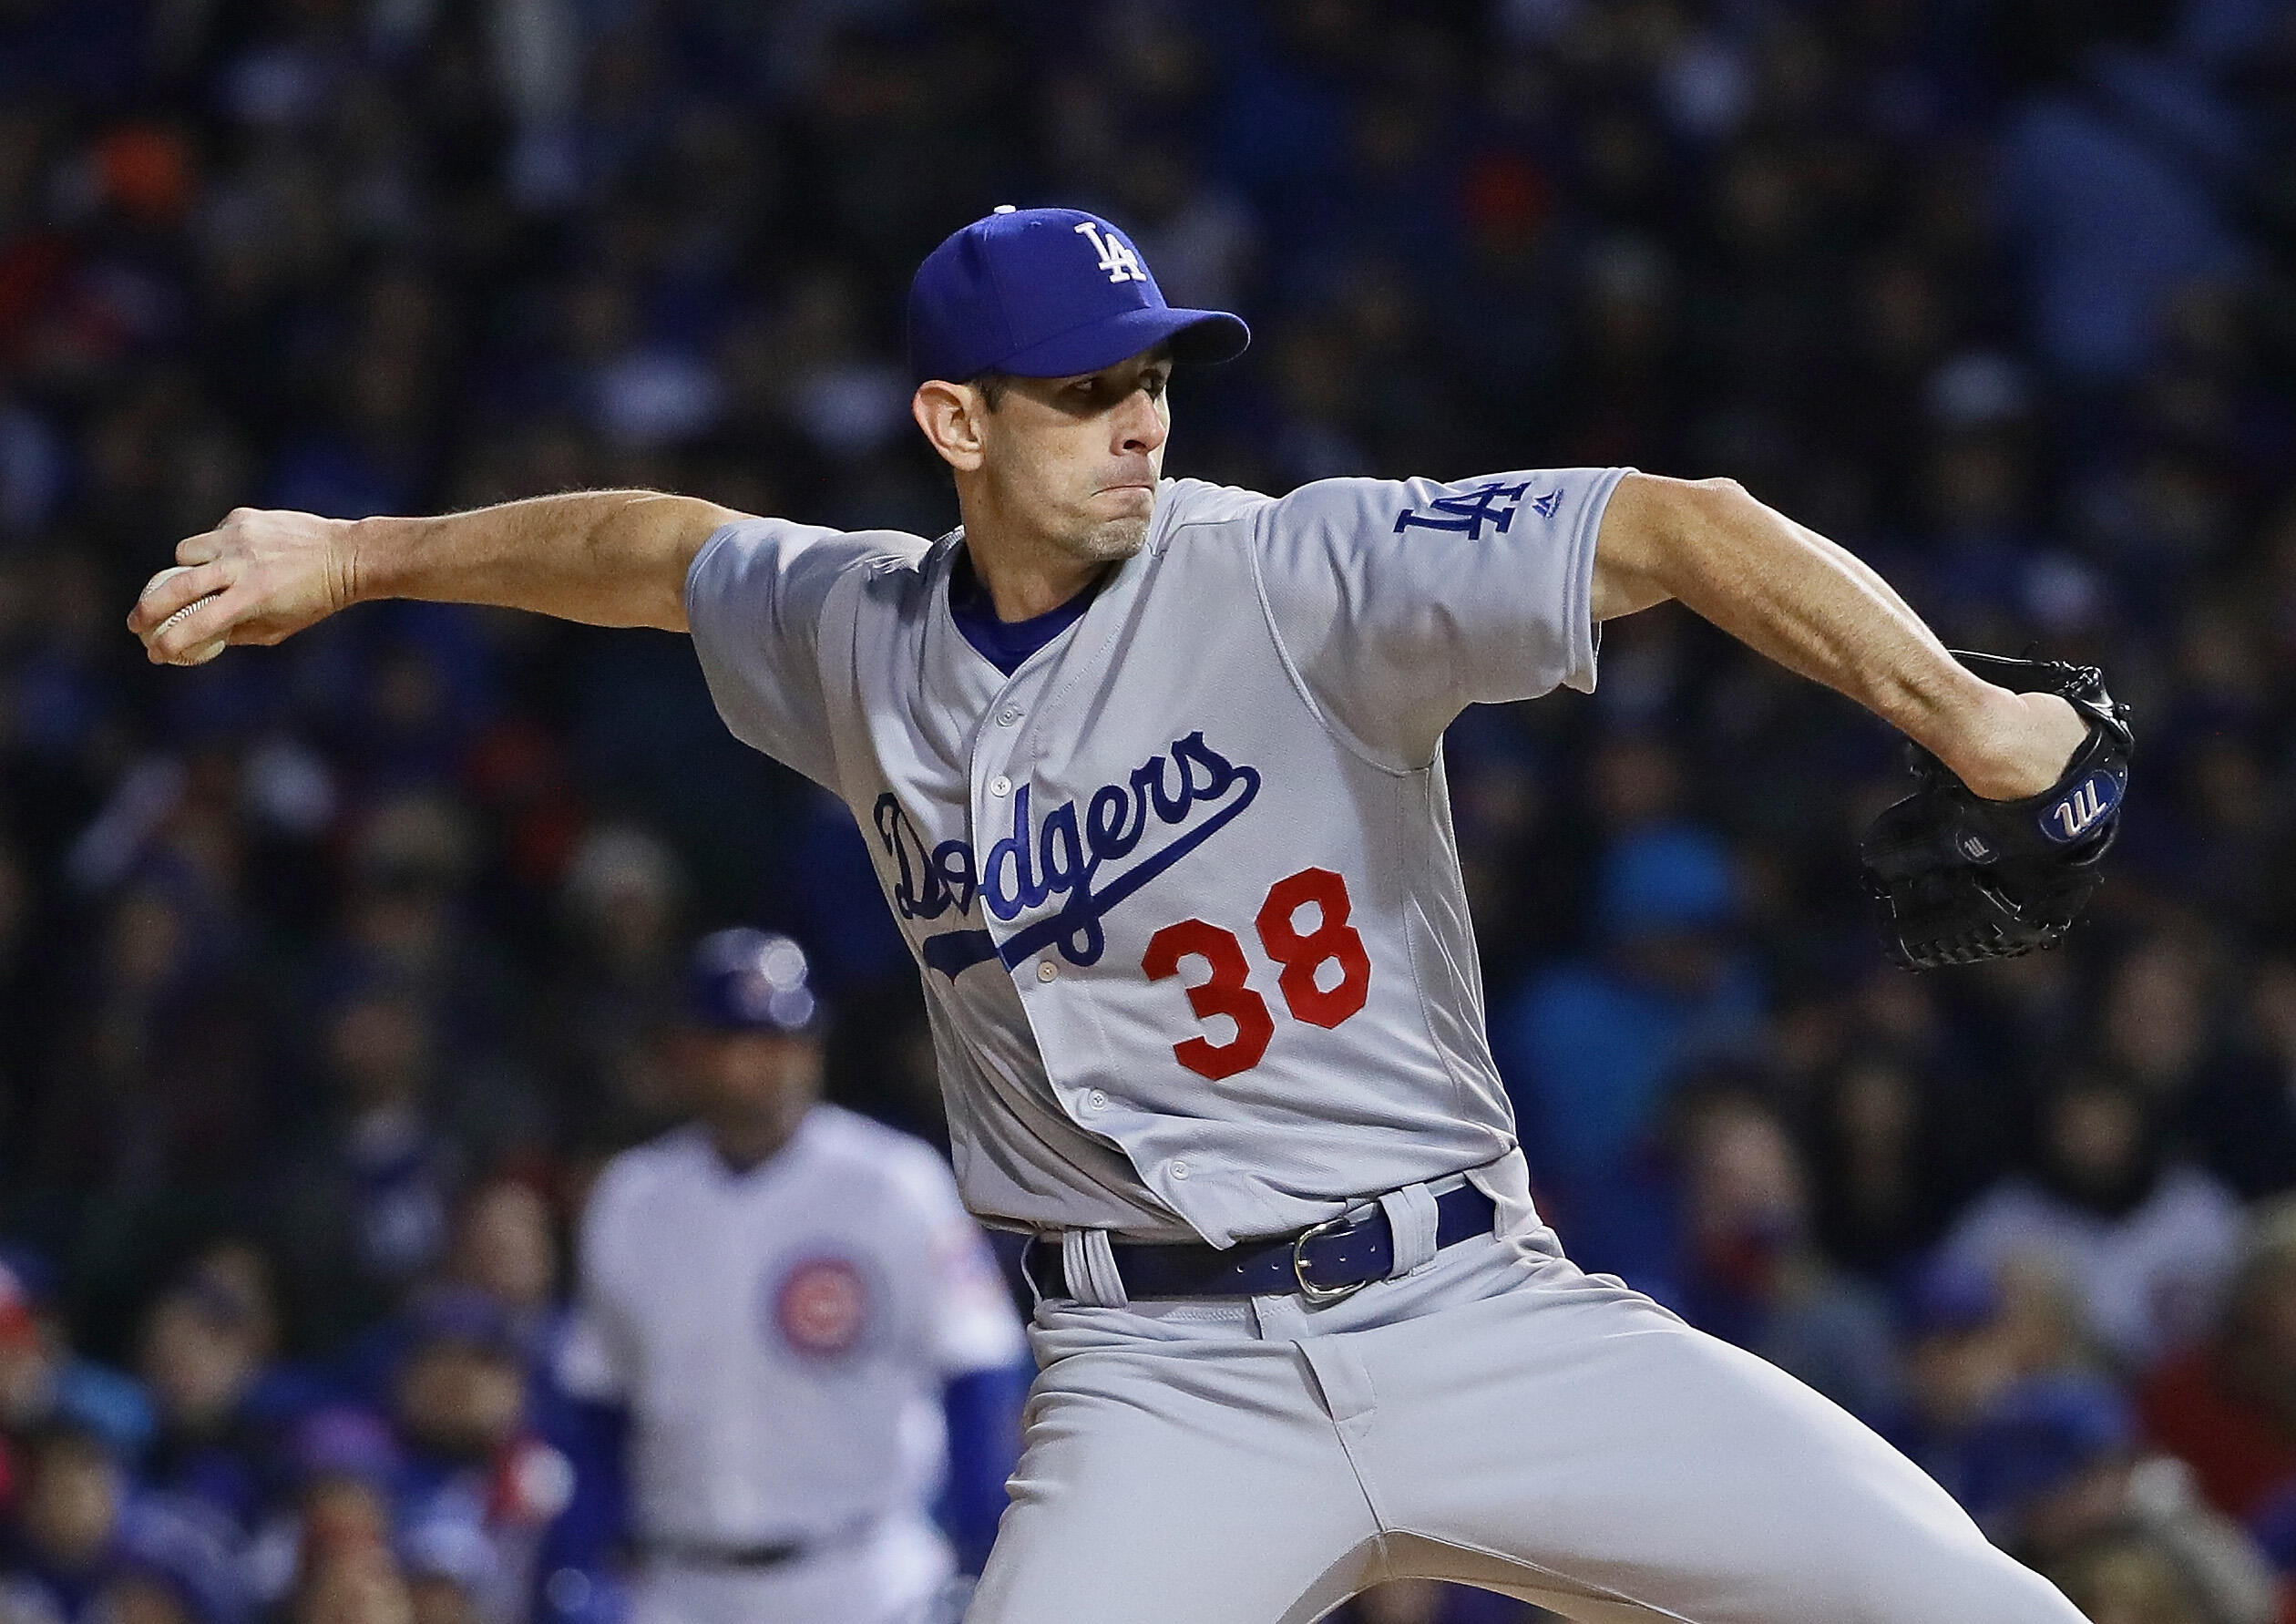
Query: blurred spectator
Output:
(2144,1241)
(1746,1270)
(155,1093)
(503,1252)
(1590,1046)
(2156,1019)
(41,1380)
(1966,1348)
(2242,1116)
(341,1471)
(370,1191)
(1892,1155)
(481,1489)
(221,1399)
(506,1246)
(357,1586)
(61,1543)
(2227,1406)
(621,904)
(2126,1577)
(173,1566)
(2120,131)
(405,920)
(2053,1465)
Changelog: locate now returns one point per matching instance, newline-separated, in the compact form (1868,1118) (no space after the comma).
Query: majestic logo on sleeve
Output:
(1065,854)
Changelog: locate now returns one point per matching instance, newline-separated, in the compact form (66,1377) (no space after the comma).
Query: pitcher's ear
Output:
(951,417)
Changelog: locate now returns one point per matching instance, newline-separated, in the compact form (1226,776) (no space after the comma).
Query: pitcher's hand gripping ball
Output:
(198,654)
(1961,879)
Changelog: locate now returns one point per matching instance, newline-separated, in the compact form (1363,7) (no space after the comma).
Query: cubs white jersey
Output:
(1183,887)
(781,1334)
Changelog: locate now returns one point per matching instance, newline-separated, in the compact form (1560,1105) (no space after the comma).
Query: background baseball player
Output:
(786,1300)
(1153,774)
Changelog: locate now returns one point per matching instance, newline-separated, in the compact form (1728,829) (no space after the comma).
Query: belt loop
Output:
(1091,1268)
(1412,1217)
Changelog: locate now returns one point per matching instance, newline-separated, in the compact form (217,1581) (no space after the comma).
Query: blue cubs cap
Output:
(1047,294)
(750,980)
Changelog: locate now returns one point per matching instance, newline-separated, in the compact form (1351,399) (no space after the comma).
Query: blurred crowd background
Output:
(329,973)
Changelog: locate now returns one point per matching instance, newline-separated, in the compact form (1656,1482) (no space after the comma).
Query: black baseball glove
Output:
(1961,879)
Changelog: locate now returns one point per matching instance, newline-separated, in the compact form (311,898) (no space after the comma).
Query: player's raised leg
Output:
(1192,1476)
(1573,1427)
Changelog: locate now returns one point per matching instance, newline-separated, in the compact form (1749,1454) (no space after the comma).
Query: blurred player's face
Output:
(764,1080)
(1070,463)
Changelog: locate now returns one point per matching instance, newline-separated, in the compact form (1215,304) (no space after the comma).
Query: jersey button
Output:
(1096,1100)
(1179,1169)
(1007,717)
(1046,971)
(1000,784)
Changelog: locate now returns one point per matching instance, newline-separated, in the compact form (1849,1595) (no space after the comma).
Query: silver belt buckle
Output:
(1308,1287)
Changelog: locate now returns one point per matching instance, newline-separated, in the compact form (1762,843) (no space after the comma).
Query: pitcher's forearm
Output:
(1821,611)
(1817,609)
(609,558)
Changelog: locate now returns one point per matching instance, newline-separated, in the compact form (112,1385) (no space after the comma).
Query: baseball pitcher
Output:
(1151,772)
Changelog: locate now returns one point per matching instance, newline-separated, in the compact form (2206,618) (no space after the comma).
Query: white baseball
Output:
(200,653)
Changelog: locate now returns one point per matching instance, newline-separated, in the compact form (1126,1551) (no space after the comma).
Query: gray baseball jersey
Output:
(1183,887)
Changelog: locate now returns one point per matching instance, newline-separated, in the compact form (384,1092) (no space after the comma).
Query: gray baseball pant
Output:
(1495,1418)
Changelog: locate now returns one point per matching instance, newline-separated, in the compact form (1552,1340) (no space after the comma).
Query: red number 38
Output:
(1304,956)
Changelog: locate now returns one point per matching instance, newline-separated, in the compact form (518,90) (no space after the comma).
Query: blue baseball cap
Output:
(2041,1434)
(1047,293)
(750,980)
(1951,1297)
(465,1316)
(1676,876)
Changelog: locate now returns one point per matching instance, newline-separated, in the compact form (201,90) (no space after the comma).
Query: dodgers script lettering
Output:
(1064,855)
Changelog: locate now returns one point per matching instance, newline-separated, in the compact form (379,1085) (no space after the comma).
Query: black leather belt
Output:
(1322,1264)
(694,1553)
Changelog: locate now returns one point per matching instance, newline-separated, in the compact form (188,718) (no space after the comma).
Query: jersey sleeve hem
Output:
(717,538)
(1586,636)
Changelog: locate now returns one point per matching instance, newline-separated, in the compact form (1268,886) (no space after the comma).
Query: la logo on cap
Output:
(1016,292)
(1120,264)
